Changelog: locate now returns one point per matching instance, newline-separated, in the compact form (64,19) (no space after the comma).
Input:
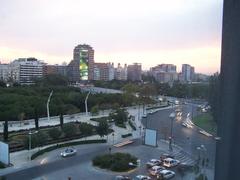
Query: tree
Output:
(61,120)
(52,80)
(2,84)
(21,116)
(5,131)
(214,95)
(120,116)
(54,133)
(86,129)
(95,110)
(102,128)
(69,129)
(36,119)
(37,139)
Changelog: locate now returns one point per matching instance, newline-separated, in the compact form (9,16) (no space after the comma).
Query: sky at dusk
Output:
(150,32)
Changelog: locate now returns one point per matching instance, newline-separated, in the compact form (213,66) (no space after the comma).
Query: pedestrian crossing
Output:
(183,158)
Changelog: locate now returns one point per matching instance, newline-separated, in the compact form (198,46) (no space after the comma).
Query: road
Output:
(187,138)
(51,166)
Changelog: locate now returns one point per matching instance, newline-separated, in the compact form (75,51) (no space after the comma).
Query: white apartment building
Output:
(26,70)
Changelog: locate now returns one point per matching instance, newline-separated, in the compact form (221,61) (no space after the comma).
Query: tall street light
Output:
(86,106)
(172,117)
(48,101)
(30,133)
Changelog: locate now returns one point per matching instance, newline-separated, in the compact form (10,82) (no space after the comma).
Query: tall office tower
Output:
(134,72)
(84,56)
(188,72)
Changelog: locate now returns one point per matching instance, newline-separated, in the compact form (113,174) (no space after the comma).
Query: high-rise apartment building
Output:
(26,70)
(5,73)
(103,71)
(134,72)
(188,72)
(81,68)
(164,73)
(120,72)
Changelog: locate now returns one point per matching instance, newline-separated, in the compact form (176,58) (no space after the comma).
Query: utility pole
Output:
(172,117)
(86,106)
(48,101)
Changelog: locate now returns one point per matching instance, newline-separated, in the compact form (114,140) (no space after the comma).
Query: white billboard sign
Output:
(150,137)
(4,153)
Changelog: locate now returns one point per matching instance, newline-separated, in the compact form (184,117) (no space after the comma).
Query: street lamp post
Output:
(202,149)
(172,116)
(86,106)
(48,101)
(30,141)
(113,137)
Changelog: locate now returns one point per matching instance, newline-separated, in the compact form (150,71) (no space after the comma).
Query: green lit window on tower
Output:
(83,64)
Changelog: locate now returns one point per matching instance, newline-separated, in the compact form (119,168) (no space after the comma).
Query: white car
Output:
(170,162)
(166,174)
(142,177)
(155,169)
(68,152)
(144,115)
(153,162)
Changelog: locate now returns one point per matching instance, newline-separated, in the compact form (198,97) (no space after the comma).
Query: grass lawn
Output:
(205,121)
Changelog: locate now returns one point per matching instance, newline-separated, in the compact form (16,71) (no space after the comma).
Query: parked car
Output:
(68,152)
(144,115)
(153,162)
(155,169)
(170,162)
(142,177)
(122,177)
(165,155)
(166,174)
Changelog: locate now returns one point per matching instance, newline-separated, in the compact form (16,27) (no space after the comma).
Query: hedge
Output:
(126,135)
(2,165)
(51,148)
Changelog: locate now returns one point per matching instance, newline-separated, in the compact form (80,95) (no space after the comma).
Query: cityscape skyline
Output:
(128,35)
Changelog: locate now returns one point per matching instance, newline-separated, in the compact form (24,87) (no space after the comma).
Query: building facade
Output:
(82,66)
(134,72)
(103,71)
(121,72)
(26,70)
(188,73)
(164,73)
(55,69)
(5,72)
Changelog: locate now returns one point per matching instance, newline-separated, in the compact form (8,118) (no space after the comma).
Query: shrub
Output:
(2,166)
(69,129)
(37,139)
(54,133)
(126,135)
(118,162)
(86,129)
